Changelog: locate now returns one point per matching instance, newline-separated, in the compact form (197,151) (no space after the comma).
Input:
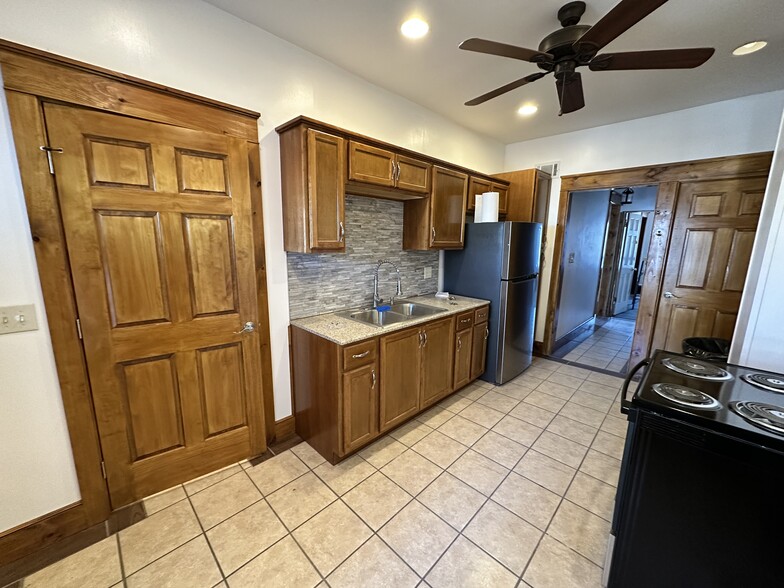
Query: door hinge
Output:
(49,150)
(79,328)
(103,469)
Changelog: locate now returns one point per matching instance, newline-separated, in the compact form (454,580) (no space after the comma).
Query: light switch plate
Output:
(15,319)
(428,272)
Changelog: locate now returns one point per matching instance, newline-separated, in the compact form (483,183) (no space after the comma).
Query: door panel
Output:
(476,186)
(400,387)
(712,236)
(628,258)
(370,164)
(463,340)
(437,361)
(413,174)
(479,350)
(360,406)
(447,208)
(157,222)
(326,179)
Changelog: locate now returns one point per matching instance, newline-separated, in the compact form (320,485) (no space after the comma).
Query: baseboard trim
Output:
(284,428)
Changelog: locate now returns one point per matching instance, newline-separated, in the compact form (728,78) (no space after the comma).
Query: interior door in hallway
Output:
(712,236)
(624,298)
(157,221)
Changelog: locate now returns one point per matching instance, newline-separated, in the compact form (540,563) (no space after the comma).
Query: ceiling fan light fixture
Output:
(527,109)
(414,28)
(751,47)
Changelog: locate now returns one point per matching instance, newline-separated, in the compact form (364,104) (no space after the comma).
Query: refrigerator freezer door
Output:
(516,328)
(522,246)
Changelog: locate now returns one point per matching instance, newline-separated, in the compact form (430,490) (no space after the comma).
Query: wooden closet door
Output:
(157,221)
(710,247)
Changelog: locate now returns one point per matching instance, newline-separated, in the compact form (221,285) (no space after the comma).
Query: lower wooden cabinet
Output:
(346,396)
(360,406)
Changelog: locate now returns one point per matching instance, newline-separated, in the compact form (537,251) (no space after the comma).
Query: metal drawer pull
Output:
(342,232)
(373,373)
(468,320)
(670,295)
(361,355)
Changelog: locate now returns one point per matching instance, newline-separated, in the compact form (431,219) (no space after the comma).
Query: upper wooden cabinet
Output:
(313,165)
(529,191)
(447,208)
(381,167)
(477,185)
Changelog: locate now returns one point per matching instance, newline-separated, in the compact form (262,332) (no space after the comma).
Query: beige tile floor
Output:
(496,486)
(607,348)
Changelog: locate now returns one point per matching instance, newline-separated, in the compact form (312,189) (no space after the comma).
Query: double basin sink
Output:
(399,312)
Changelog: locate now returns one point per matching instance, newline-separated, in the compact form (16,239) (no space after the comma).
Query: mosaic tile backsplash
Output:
(326,282)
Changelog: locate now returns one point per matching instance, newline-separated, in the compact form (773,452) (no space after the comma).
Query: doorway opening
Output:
(606,240)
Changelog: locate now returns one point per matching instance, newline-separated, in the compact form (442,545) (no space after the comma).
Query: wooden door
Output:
(447,208)
(400,377)
(463,341)
(479,350)
(157,222)
(360,406)
(712,236)
(476,186)
(437,360)
(623,298)
(326,190)
(370,165)
(413,174)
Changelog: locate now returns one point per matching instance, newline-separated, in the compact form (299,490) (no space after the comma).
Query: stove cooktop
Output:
(734,400)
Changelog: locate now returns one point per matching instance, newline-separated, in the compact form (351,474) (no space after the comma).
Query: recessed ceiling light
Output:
(749,48)
(527,109)
(414,28)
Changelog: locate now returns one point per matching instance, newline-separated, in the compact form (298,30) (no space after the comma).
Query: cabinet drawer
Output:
(480,315)
(359,354)
(465,320)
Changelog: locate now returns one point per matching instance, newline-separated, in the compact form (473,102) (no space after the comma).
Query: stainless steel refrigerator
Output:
(500,263)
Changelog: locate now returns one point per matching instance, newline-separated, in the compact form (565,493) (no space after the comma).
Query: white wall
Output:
(732,127)
(36,467)
(192,46)
(758,340)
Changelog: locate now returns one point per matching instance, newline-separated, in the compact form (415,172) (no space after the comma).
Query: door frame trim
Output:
(31,77)
(668,178)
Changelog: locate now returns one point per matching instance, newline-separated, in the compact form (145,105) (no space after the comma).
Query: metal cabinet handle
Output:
(360,355)
(434,234)
(398,170)
(342,232)
(468,320)
(248,327)
(421,338)
(459,343)
(373,384)
(425,334)
(487,333)
(670,295)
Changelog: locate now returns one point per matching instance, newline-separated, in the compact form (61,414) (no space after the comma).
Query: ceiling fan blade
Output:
(621,18)
(664,59)
(570,93)
(504,50)
(504,89)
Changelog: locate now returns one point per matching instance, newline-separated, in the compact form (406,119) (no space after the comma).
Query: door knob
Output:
(670,295)
(248,327)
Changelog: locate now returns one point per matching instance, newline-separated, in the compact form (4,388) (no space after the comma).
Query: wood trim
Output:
(667,177)
(57,78)
(257,212)
(54,272)
(284,428)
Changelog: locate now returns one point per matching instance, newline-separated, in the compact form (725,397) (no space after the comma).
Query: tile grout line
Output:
(122,564)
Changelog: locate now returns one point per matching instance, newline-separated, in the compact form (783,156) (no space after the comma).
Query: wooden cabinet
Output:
(528,195)
(360,406)
(436,360)
(381,167)
(477,185)
(400,376)
(313,184)
(463,342)
(447,208)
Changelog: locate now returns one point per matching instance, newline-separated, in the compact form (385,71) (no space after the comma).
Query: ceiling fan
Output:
(576,45)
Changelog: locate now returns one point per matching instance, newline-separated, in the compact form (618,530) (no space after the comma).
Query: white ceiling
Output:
(362,36)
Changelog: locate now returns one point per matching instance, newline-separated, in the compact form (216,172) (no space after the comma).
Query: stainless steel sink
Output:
(415,310)
(374,317)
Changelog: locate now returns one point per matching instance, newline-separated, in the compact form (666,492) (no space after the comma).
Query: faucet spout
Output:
(399,292)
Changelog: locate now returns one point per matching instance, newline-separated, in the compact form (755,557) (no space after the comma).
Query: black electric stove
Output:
(702,477)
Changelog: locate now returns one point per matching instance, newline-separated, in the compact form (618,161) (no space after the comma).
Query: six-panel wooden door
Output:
(712,237)
(157,221)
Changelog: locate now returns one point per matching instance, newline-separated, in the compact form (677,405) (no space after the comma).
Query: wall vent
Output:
(551,168)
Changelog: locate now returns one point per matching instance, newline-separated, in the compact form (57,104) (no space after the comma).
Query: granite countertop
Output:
(344,331)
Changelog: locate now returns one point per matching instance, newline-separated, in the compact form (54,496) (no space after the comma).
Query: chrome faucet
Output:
(376,298)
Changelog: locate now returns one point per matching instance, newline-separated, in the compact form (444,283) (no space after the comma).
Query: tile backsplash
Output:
(325,282)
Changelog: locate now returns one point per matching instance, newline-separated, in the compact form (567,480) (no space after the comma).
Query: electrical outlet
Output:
(15,319)
(428,272)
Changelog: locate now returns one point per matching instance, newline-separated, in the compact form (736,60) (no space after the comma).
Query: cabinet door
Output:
(503,198)
(413,175)
(447,208)
(463,341)
(479,350)
(360,407)
(370,165)
(476,186)
(326,179)
(437,360)
(400,377)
